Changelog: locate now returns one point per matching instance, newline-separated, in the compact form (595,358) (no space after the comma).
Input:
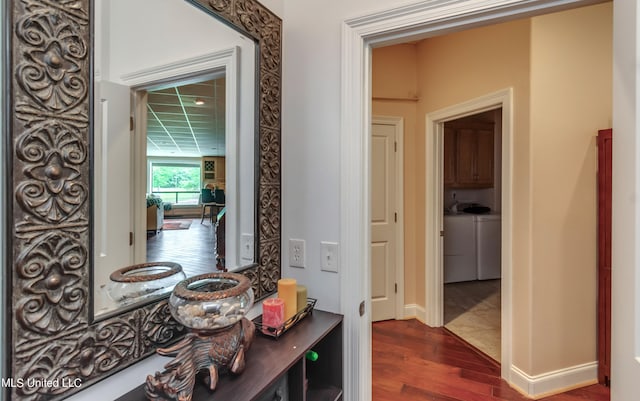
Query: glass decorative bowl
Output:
(137,282)
(211,302)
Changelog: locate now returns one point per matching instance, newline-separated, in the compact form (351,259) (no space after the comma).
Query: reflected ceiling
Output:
(187,120)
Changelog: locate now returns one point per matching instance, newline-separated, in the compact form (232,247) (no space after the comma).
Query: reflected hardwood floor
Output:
(193,249)
(412,361)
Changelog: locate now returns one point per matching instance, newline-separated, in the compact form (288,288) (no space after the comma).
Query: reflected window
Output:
(178,184)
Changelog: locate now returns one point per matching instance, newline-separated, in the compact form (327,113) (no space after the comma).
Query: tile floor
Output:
(472,312)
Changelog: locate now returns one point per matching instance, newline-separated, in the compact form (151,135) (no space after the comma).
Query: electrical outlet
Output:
(329,255)
(296,253)
(246,247)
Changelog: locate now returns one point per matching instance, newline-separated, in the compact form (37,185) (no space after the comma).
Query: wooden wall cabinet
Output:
(213,170)
(278,369)
(468,155)
(449,156)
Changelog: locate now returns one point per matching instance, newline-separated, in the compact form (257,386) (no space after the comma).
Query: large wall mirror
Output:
(202,81)
(189,86)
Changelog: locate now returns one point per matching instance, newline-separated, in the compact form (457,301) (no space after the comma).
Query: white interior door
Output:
(383,222)
(113,189)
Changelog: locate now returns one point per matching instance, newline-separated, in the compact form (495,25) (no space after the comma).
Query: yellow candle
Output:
(287,292)
(301,297)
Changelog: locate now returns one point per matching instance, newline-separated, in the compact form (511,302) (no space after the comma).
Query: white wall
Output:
(276,6)
(311,135)
(159,38)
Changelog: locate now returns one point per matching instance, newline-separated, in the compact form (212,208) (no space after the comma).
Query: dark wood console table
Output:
(278,369)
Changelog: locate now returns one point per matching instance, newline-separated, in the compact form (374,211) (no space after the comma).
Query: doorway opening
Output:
(180,129)
(472,227)
(492,179)
(359,36)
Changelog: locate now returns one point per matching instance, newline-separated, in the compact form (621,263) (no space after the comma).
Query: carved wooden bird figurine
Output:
(217,352)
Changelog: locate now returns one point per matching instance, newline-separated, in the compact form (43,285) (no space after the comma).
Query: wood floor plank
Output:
(443,379)
(594,392)
(438,347)
(449,392)
(412,362)
(505,392)
(420,394)
(193,248)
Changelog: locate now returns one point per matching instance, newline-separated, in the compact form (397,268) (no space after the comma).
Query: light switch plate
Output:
(329,255)
(247,251)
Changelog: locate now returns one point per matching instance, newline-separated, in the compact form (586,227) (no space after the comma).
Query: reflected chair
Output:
(206,200)
(212,199)
(219,196)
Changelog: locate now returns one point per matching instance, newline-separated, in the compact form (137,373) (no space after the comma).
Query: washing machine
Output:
(459,248)
(488,243)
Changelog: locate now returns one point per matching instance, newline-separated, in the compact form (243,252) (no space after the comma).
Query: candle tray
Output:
(276,332)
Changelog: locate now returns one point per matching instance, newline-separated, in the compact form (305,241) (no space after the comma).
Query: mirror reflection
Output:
(185,175)
(174,172)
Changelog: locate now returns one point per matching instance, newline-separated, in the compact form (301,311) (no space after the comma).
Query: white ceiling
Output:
(178,127)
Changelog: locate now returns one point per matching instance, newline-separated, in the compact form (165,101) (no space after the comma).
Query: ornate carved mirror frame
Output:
(50,329)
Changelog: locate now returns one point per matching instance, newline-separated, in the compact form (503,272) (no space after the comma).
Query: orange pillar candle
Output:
(301,297)
(287,292)
(272,313)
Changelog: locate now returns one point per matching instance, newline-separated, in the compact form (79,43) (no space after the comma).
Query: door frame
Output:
(398,124)
(179,72)
(359,34)
(434,272)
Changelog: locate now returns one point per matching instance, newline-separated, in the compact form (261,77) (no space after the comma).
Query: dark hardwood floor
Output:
(193,249)
(412,362)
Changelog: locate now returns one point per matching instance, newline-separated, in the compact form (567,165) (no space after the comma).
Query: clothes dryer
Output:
(488,246)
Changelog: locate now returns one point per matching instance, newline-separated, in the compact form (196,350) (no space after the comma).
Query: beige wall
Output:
(465,65)
(571,89)
(559,67)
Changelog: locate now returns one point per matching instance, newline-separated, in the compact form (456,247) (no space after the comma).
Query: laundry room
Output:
(472,229)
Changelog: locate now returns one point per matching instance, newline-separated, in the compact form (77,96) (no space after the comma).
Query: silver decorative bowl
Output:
(211,302)
(137,282)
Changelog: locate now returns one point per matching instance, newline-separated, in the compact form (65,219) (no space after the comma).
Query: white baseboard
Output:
(415,311)
(558,381)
